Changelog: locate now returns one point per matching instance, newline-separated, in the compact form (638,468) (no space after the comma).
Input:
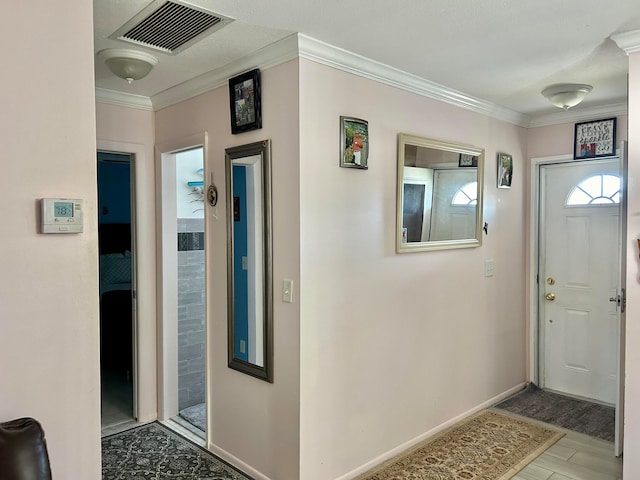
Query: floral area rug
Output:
(155,452)
(487,446)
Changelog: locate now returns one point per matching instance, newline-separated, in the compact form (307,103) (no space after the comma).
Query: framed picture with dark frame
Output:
(505,170)
(595,139)
(354,143)
(244,96)
(466,160)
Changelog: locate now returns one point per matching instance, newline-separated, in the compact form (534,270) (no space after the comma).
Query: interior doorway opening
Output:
(191,288)
(116,248)
(183,325)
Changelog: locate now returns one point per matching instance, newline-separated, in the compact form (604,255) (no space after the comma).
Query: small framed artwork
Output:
(466,160)
(244,96)
(354,143)
(595,139)
(505,170)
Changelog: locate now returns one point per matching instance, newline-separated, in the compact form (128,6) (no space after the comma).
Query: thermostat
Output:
(61,215)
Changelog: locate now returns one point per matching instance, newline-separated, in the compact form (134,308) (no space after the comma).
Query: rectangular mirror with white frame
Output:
(439,195)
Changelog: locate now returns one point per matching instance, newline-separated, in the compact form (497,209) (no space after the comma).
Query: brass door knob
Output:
(550,296)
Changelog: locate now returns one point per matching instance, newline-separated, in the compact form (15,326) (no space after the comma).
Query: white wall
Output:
(393,345)
(632,383)
(253,423)
(187,165)
(49,330)
(130,130)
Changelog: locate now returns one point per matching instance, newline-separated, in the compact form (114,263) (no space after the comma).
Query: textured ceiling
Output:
(501,51)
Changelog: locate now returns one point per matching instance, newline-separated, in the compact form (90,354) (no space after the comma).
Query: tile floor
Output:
(574,457)
(116,399)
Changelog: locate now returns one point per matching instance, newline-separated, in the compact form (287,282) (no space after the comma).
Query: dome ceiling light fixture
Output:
(128,64)
(566,95)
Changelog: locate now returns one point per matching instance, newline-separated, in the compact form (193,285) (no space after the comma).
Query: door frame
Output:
(145,405)
(534,252)
(534,357)
(167,289)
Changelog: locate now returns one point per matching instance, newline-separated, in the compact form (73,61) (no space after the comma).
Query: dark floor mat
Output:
(577,415)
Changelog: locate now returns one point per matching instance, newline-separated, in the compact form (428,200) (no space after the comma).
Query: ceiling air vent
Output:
(170,26)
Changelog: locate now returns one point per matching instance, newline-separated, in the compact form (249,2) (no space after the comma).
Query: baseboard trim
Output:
(236,462)
(420,438)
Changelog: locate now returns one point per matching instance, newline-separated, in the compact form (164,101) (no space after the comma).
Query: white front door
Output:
(579,274)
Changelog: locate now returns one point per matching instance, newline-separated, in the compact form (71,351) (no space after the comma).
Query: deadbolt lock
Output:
(551,281)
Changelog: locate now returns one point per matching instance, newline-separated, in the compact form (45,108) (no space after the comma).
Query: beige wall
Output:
(130,130)
(393,346)
(49,329)
(632,383)
(558,139)
(253,423)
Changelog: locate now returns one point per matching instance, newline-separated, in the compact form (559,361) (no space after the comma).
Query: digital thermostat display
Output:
(61,215)
(63,209)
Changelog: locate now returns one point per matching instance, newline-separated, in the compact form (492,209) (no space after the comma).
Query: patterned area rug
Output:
(155,452)
(570,413)
(487,446)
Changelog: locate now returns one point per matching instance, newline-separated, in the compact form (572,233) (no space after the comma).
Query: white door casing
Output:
(579,264)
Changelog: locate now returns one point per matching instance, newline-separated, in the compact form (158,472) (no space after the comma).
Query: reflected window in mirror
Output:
(439,195)
(466,195)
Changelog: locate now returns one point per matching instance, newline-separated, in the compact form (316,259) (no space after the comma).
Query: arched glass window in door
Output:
(596,190)
(466,195)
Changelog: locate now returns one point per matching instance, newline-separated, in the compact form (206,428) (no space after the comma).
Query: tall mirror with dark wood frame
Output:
(249,259)
(440,189)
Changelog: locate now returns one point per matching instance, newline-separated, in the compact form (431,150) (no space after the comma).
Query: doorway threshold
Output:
(185,429)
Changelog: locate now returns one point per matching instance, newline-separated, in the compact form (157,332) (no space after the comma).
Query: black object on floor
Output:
(153,451)
(577,415)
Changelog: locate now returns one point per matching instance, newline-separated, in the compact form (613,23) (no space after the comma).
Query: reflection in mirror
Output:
(440,187)
(249,279)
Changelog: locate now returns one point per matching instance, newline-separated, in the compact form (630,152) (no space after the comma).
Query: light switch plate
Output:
(287,290)
(489,268)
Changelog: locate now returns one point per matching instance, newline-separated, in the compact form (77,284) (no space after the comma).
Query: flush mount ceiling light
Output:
(566,95)
(128,64)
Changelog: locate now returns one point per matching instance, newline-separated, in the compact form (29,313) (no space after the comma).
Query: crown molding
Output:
(325,54)
(581,115)
(299,45)
(628,41)
(274,54)
(123,99)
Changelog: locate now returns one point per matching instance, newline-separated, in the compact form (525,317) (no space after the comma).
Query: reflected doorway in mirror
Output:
(249,260)
(440,193)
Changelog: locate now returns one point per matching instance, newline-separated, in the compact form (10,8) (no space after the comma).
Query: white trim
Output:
(628,41)
(277,53)
(434,431)
(533,259)
(301,46)
(145,406)
(580,115)
(123,99)
(167,283)
(236,462)
(534,246)
(340,59)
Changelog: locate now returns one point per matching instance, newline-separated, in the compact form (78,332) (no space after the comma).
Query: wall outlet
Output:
(243,346)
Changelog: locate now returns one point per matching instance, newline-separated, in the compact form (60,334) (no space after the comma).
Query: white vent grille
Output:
(170,26)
